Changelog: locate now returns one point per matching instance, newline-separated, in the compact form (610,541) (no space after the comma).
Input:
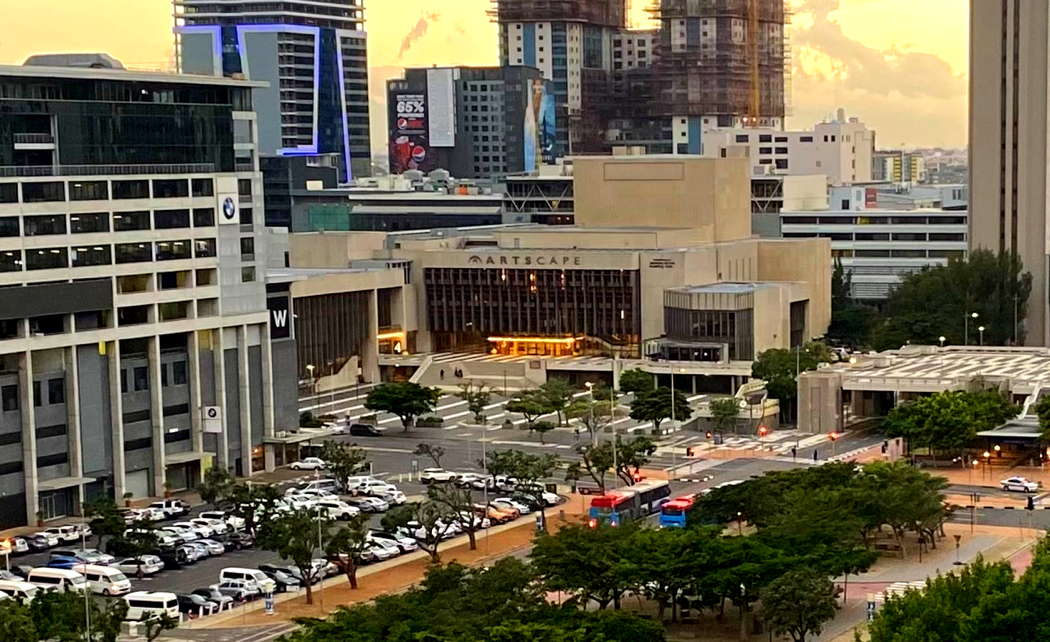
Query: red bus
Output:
(632,502)
(674,513)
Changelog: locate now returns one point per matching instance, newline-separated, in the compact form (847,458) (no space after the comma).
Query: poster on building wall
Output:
(280,317)
(871,198)
(441,102)
(409,145)
(539,132)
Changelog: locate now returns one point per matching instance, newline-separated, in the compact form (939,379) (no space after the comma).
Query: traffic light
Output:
(762,431)
(709,435)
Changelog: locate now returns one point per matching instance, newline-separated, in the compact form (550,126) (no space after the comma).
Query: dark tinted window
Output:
(133,252)
(127,221)
(203,187)
(89,223)
(130,189)
(8,192)
(43,192)
(92,255)
(171,219)
(172,250)
(9,226)
(204,248)
(43,225)
(204,217)
(11,261)
(89,191)
(9,398)
(46,259)
(169,188)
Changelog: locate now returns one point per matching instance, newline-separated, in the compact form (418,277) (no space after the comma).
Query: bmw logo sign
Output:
(229,208)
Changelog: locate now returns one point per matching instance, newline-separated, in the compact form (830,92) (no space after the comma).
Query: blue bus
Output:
(633,502)
(674,513)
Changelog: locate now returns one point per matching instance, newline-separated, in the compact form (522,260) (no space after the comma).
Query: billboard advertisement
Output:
(409,145)
(540,134)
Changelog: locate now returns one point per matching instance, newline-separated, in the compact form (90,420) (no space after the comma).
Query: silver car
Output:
(150,565)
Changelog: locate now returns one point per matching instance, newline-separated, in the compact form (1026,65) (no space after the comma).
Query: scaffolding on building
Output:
(607,13)
(722,58)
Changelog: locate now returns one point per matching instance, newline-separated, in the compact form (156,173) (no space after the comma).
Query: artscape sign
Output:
(542,260)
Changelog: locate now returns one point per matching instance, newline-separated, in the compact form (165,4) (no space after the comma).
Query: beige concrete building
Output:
(1008,140)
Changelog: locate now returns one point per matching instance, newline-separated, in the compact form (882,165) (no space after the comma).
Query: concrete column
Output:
(194,367)
(244,389)
(219,362)
(116,411)
(370,349)
(266,353)
(25,404)
(76,454)
(156,396)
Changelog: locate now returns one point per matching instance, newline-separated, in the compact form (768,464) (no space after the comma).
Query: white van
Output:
(146,605)
(254,578)
(330,485)
(24,592)
(57,579)
(104,580)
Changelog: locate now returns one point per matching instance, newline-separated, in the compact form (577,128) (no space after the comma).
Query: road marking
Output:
(377,449)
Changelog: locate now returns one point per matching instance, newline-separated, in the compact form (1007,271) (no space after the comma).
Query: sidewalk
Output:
(396,575)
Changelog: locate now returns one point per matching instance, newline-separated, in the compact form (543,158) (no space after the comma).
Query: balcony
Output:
(105,170)
(33,138)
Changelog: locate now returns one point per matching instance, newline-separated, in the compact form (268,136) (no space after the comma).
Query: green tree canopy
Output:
(724,412)
(405,399)
(798,603)
(477,398)
(938,301)
(778,367)
(655,406)
(636,381)
(557,395)
(295,537)
(531,405)
(949,420)
(343,460)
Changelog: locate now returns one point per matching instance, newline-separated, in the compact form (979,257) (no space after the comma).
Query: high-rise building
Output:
(476,122)
(898,166)
(134,342)
(1008,141)
(312,54)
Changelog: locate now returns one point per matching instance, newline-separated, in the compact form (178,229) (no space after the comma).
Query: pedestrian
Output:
(442,374)
(814,454)
(794,452)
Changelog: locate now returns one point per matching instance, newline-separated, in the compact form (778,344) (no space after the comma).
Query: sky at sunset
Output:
(899,65)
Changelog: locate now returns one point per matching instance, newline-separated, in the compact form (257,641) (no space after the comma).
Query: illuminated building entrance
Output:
(538,346)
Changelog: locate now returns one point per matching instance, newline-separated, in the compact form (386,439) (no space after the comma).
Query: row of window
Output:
(874,220)
(899,254)
(56,394)
(100,222)
(61,257)
(59,191)
(881,236)
(139,376)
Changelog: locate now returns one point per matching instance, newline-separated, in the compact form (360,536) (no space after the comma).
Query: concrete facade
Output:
(1008,141)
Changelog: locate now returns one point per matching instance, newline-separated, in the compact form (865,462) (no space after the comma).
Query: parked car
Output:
(85,555)
(466,479)
(393,498)
(437,475)
(356,481)
(193,554)
(202,530)
(313,493)
(495,513)
(51,538)
(231,520)
(195,605)
(291,571)
(217,526)
(66,534)
(171,507)
(521,507)
(21,570)
(368,504)
(214,547)
(330,485)
(183,533)
(309,463)
(1021,484)
(212,594)
(164,538)
(338,509)
(364,430)
(238,540)
(18,545)
(150,565)
(238,590)
(377,550)
(406,544)
(203,552)
(284,581)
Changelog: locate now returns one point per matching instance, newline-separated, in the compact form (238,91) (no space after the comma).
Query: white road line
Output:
(376,449)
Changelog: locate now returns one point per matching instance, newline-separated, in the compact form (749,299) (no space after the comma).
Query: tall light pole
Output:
(980,329)
(590,393)
(966,327)
(672,399)
(942,339)
(87,593)
(320,552)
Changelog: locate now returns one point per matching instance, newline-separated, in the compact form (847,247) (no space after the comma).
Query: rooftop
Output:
(722,288)
(37,71)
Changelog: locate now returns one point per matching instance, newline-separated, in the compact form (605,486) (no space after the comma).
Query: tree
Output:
(140,541)
(557,394)
(798,603)
(529,469)
(1042,410)
(104,518)
(595,411)
(632,456)
(294,537)
(477,398)
(724,412)
(778,368)
(16,622)
(541,428)
(939,300)
(346,546)
(343,460)
(588,563)
(636,381)
(596,461)
(435,452)
(949,420)
(405,399)
(217,483)
(531,405)
(428,522)
(458,504)
(254,503)
(655,406)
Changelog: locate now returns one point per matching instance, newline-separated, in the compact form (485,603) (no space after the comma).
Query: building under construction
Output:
(712,63)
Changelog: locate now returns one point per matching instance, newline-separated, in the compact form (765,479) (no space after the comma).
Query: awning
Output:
(59,483)
(183,458)
(299,437)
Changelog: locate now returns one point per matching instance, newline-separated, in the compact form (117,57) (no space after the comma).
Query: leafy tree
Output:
(531,405)
(345,547)
(541,428)
(142,540)
(667,562)
(105,519)
(851,322)
(938,301)
(948,420)
(631,456)
(529,469)
(596,461)
(254,503)
(595,411)
(458,505)
(636,381)
(433,451)
(156,625)
(294,537)
(557,394)
(798,603)
(724,412)
(655,406)
(16,622)
(477,398)
(588,563)
(217,483)
(60,616)
(1042,410)
(778,368)
(405,399)
(343,460)
(428,522)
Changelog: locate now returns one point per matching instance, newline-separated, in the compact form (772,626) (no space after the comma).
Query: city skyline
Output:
(854,54)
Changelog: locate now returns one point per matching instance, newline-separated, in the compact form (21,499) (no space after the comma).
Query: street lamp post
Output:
(672,399)
(313,381)
(942,339)
(590,409)
(980,329)
(966,327)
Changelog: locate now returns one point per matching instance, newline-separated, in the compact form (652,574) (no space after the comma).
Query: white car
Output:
(67,534)
(183,533)
(338,509)
(374,487)
(217,526)
(377,550)
(352,483)
(521,507)
(394,498)
(309,463)
(466,479)
(1021,484)
(153,514)
(369,504)
(214,548)
(405,544)
(232,521)
(202,530)
(437,475)
(315,493)
(52,539)
(164,538)
(151,565)
(300,502)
